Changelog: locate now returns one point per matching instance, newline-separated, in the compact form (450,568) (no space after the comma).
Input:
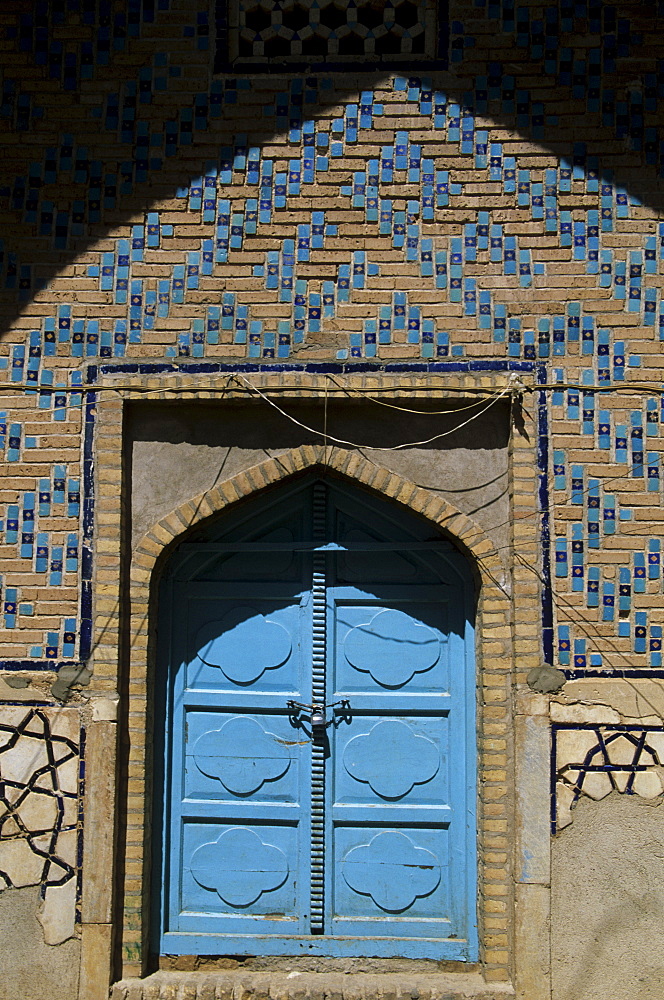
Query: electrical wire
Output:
(641,386)
(572,612)
(585,625)
(352,444)
(33,390)
(368,391)
(405,409)
(143,390)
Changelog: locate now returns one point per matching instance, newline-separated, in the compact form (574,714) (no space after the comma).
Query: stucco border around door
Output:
(513,737)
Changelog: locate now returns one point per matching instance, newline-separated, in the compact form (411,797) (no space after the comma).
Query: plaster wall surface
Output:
(31,969)
(180,452)
(607,906)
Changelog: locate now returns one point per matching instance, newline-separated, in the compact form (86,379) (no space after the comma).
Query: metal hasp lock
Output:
(317,717)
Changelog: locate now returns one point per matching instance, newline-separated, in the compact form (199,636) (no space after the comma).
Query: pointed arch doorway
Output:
(318,717)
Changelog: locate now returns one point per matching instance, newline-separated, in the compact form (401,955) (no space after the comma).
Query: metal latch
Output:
(317,716)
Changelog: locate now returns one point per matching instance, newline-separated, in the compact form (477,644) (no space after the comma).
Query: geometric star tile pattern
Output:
(39,784)
(594,761)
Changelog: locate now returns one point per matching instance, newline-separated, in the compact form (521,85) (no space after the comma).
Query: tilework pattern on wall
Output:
(593,761)
(317,217)
(40,820)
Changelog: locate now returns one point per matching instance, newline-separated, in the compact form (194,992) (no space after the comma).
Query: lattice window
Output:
(261,35)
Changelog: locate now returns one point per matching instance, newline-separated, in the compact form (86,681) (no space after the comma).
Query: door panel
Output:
(245,757)
(414,748)
(237,780)
(237,641)
(354,836)
(391,882)
(391,808)
(236,877)
(393,644)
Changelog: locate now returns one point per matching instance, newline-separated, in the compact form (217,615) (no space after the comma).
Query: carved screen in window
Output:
(261,35)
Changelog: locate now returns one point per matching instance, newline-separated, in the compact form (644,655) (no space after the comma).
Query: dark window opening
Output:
(261,36)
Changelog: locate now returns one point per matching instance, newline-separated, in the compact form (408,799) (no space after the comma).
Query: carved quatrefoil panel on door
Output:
(239,867)
(244,644)
(392,870)
(241,755)
(392,647)
(414,759)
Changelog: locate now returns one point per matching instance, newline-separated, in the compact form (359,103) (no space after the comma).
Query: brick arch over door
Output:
(168,531)
(152,552)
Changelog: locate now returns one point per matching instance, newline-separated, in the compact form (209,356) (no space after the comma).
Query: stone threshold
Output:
(242,985)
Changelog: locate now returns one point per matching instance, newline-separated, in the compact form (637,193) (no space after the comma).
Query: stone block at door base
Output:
(288,986)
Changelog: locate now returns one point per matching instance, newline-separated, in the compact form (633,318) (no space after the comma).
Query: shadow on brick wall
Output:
(109,108)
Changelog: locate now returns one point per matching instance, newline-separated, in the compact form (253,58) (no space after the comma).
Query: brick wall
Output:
(502,212)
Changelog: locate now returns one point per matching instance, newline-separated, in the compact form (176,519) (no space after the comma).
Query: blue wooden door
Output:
(319,756)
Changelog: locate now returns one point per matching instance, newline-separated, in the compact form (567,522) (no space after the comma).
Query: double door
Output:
(319,792)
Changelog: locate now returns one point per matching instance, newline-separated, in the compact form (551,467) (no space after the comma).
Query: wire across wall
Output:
(513,390)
